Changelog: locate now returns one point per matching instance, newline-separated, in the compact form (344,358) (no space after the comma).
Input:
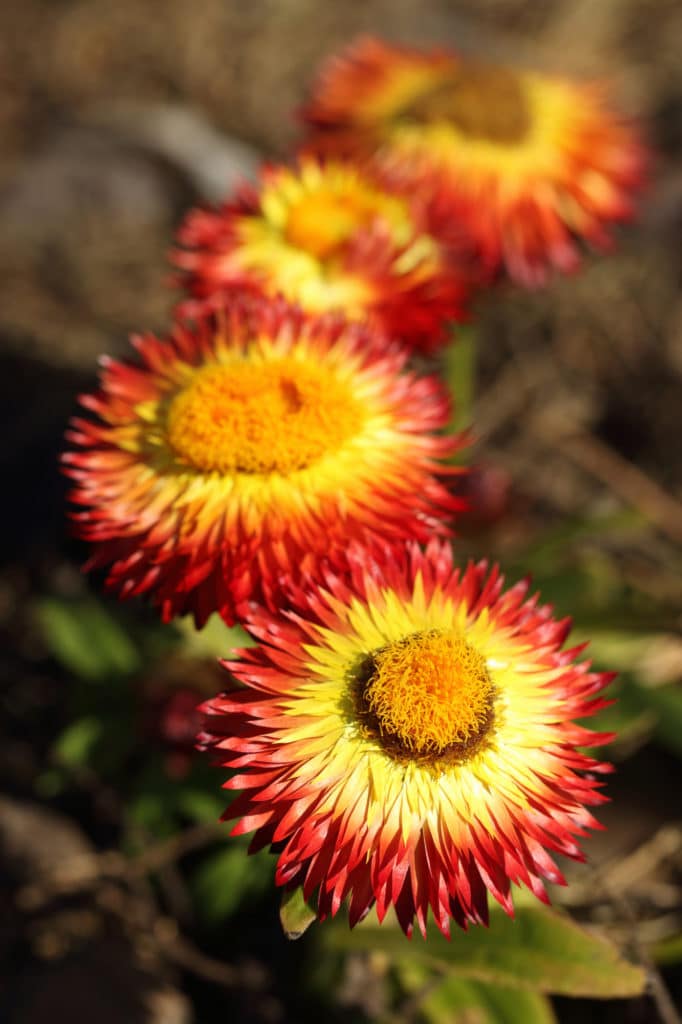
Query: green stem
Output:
(459,372)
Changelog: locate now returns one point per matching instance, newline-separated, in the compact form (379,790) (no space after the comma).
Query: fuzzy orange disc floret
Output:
(430,690)
(409,735)
(251,418)
(322,223)
(229,459)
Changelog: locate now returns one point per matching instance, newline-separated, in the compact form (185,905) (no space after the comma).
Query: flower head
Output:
(232,457)
(328,238)
(535,161)
(406,738)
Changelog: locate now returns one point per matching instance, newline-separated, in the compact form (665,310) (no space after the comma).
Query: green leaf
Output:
(160,802)
(201,805)
(77,744)
(666,701)
(50,783)
(514,1006)
(540,950)
(668,951)
(632,723)
(459,368)
(152,803)
(633,726)
(643,709)
(100,741)
(295,914)
(554,545)
(86,639)
(215,640)
(644,706)
(624,650)
(458,1000)
(153,814)
(228,878)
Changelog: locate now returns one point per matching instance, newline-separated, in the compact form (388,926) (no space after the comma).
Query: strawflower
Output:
(232,456)
(537,162)
(405,738)
(330,239)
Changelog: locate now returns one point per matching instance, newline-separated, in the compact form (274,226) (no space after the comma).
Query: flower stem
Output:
(459,372)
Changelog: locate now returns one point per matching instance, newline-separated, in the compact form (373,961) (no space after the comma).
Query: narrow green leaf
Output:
(457,999)
(632,723)
(295,914)
(653,710)
(201,805)
(624,650)
(215,640)
(459,368)
(86,639)
(460,1000)
(228,878)
(666,701)
(555,544)
(514,1006)
(633,726)
(77,743)
(668,951)
(50,783)
(153,814)
(540,950)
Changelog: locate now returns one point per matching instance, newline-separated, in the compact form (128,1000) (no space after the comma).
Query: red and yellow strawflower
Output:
(329,239)
(535,162)
(233,456)
(405,738)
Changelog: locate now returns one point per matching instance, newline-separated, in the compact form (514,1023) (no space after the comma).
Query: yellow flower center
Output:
(482,102)
(429,692)
(322,222)
(269,417)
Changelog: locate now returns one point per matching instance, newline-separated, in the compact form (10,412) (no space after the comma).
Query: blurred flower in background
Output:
(167,707)
(331,238)
(535,162)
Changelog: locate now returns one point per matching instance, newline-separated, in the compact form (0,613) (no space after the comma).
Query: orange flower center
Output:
(271,417)
(429,692)
(482,102)
(322,222)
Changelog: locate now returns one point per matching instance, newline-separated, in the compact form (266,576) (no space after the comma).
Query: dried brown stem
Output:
(173,849)
(187,956)
(626,480)
(614,880)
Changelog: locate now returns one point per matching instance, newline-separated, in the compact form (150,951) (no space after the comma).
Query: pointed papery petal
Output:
(238,459)
(357,818)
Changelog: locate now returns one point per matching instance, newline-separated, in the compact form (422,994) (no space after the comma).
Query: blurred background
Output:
(122,899)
